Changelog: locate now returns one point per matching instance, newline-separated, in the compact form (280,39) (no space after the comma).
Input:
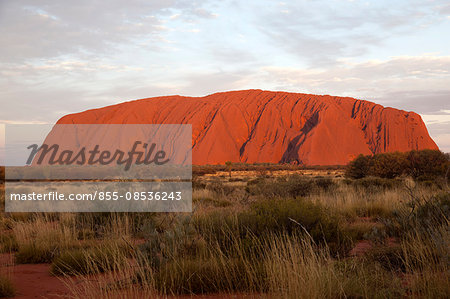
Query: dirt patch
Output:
(275,173)
(35,281)
(32,280)
(363,246)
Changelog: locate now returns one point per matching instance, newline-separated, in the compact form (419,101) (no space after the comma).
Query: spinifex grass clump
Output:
(97,259)
(422,254)
(103,224)
(421,214)
(35,254)
(288,240)
(375,184)
(6,287)
(215,272)
(279,265)
(46,237)
(280,216)
(42,239)
(292,186)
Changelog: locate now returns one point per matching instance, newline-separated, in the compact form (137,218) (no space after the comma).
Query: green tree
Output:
(359,167)
(423,164)
(427,163)
(389,165)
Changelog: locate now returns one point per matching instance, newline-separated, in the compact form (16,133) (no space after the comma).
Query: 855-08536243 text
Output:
(102,195)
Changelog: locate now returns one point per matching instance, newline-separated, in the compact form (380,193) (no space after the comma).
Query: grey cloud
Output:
(42,29)
(424,102)
(440,132)
(444,9)
(196,84)
(412,83)
(212,82)
(439,129)
(45,105)
(232,55)
(317,51)
(49,91)
(201,12)
(320,33)
(48,104)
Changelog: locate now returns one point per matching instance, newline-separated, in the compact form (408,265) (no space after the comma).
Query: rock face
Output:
(264,126)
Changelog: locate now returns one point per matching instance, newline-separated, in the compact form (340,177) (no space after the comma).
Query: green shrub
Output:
(268,217)
(422,216)
(424,164)
(388,165)
(205,275)
(6,287)
(296,215)
(292,186)
(164,243)
(358,168)
(427,164)
(434,212)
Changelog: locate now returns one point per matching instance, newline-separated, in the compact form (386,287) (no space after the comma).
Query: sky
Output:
(60,57)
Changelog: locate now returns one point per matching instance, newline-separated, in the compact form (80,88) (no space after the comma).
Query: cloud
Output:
(439,131)
(436,118)
(211,82)
(45,29)
(320,32)
(417,82)
(233,55)
(59,57)
(422,101)
(444,9)
(443,140)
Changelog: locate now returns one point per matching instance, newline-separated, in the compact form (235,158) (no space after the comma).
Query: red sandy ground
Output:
(35,281)
(363,246)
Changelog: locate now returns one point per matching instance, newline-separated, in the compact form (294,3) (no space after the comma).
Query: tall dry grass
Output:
(214,249)
(296,268)
(354,202)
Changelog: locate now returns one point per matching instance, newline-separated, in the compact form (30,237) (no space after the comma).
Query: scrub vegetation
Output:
(291,236)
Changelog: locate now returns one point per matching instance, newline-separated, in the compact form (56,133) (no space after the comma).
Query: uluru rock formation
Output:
(264,126)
